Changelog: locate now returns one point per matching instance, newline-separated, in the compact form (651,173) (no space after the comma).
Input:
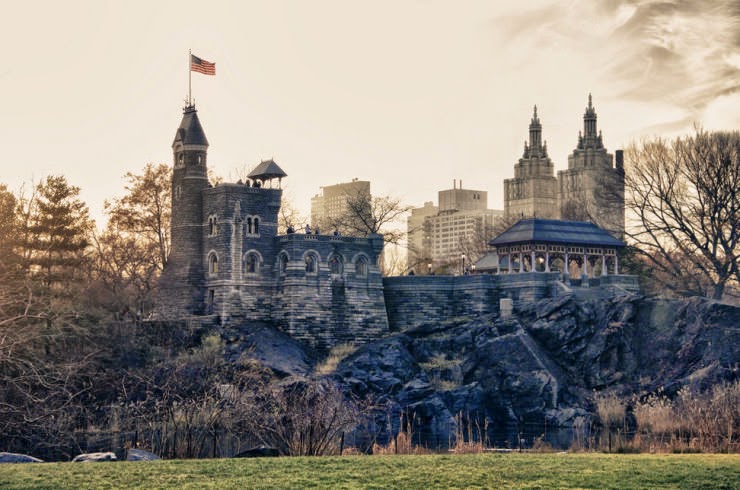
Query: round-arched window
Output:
(335,265)
(251,264)
(311,264)
(212,263)
(283,263)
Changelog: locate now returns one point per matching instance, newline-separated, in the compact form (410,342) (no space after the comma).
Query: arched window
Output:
(251,263)
(283,263)
(336,265)
(361,266)
(311,264)
(212,225)
(212,263)
(253,225)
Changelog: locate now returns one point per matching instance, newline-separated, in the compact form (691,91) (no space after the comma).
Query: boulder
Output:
(94,457)
(258,452)
(140,455)
(18,458)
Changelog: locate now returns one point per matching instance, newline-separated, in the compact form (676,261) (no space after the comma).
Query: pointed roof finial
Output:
(590,106)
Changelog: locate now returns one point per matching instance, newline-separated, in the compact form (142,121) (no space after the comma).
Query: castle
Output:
(229,265)
(228,262)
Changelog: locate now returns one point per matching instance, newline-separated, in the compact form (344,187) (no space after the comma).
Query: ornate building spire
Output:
(535,137)
(590,136)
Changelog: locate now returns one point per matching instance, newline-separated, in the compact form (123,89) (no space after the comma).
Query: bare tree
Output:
(366,215)
(145,212)
(683,198)
(304,417)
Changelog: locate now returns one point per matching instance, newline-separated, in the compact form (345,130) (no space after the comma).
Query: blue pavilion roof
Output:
(555,231)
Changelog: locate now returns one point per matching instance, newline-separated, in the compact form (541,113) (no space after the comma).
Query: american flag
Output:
(202,66)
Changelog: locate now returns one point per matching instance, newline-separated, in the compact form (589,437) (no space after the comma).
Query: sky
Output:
(406,94)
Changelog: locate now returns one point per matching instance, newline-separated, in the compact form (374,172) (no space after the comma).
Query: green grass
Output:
(396,472)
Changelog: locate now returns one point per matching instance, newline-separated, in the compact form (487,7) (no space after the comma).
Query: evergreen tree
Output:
(58,230)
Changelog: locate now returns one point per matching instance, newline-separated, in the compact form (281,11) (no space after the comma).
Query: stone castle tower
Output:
(228,264)
(591,189)
(189,180)
(533,190)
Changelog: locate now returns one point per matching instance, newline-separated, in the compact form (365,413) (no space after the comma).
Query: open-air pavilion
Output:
(577,249)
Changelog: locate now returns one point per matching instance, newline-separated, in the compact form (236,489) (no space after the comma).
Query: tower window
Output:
(361,267)
(212,225)
(253,225)
(251,263)
(283,263)
(212,263)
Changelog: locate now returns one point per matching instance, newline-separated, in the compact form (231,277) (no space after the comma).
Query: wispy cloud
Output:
(679,53)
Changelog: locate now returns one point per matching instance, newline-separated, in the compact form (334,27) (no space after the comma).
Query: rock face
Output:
(18,458)
(540,368)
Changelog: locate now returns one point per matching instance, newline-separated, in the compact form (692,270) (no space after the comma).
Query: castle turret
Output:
(182,280)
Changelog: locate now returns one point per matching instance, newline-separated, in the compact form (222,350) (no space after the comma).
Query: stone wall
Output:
(414,300)
(237,293)
(327,307)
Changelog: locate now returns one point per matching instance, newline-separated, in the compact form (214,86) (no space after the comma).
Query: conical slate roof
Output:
(266,170)
(555,231)
(190,131)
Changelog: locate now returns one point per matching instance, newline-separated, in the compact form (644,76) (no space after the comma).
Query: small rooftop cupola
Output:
(535,148)
(591,138)
(266,171)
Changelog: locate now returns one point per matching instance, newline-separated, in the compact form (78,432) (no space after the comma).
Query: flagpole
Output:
(190,76)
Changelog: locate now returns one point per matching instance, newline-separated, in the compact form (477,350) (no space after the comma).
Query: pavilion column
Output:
(521,262)
(584,271)
(616,264)
(603,264)
(547,261)
(566,272)
(534,269)
(509,263)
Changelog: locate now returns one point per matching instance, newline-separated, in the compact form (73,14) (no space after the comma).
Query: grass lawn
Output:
(397,472)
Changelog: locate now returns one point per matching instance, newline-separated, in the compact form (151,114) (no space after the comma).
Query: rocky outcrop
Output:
(94,457)
(18,458)
(541,367)
(140,455)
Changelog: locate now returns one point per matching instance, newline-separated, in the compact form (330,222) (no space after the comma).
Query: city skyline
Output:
(408,95)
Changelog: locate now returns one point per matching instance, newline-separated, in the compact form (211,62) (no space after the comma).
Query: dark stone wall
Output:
(238,294)
(412,301)
(181,284)
(324,308)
